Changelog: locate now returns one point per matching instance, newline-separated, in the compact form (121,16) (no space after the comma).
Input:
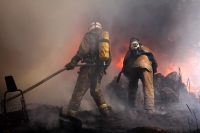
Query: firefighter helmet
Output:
(134,39)
(94,25)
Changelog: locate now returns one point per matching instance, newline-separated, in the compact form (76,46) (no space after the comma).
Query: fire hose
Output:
(44,80)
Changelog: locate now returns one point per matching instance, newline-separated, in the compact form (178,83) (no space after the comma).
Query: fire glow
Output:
(187,69)
(119,63)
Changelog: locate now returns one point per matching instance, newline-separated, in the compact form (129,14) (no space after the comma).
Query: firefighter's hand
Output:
(70,66)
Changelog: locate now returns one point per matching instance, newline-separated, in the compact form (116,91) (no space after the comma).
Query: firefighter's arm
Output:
(153,61)
(125,61)
(154,65)
(126,57)
(82,51)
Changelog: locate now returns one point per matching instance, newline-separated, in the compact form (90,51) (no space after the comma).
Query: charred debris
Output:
(176,112)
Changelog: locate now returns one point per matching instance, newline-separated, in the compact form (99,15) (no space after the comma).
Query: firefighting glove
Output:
(70,66)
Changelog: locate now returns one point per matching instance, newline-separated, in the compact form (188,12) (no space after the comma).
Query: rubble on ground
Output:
(47,119)
(171,114)
(168,89)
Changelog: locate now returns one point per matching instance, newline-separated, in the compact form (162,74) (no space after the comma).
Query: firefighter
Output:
(139,63)
(89,76)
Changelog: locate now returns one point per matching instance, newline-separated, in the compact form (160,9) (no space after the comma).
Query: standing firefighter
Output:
(139,63)
(94,49)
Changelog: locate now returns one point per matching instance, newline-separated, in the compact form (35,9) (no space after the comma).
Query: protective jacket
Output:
(143,58)
(88,50)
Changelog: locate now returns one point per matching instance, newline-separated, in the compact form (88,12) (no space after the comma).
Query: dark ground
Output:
(47,119)
(176,111)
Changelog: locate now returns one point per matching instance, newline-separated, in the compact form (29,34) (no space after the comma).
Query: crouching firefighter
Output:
(94,49)
(139,63)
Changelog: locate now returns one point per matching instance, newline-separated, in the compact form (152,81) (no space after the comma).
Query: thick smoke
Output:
(37,38)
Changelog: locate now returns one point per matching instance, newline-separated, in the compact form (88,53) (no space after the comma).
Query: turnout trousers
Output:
(146,78)
(89,77)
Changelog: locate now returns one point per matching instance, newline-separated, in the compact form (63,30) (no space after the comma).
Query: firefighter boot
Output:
(72,113)
(104,110)
(150,111)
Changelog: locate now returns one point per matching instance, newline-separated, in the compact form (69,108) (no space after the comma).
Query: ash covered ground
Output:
(177,111)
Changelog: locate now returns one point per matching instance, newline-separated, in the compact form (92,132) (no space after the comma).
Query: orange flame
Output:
(119,63)
(187,68)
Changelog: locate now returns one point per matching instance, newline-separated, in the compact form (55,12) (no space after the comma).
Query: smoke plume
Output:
(37,38)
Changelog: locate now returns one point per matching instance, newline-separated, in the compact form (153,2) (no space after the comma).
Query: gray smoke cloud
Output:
(37,38)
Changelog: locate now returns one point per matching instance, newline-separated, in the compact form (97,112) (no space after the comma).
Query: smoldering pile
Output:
(175,106)
(168,89)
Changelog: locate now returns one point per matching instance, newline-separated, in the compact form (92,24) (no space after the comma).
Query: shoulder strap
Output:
(93,48)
